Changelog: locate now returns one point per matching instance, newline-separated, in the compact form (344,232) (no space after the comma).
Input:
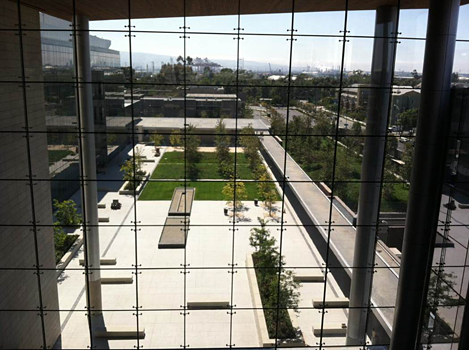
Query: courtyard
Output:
(211,267)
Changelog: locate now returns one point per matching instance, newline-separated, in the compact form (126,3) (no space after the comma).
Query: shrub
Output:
(277,288)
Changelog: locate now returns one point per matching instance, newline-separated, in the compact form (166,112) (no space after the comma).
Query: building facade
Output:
(57,46)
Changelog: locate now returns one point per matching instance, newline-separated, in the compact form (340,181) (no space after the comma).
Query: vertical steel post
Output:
(88,159)
(427,175)
(372,171)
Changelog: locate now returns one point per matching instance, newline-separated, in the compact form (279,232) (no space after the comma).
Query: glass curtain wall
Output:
(229,153)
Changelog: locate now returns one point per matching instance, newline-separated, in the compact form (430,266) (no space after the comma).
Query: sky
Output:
(320,52)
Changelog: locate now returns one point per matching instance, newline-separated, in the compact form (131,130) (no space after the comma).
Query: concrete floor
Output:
(163,288)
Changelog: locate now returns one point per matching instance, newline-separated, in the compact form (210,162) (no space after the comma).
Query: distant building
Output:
(57,45)
(404,98)
(196,105)
(355,96)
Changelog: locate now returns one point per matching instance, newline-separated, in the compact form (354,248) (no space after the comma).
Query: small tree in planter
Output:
(157,140)
(270,198)
(277,288)
(132,170)
(67,216)
(175,138)
(229,191)
(267,192)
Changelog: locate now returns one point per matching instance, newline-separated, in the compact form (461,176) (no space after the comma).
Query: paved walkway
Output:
(342,238)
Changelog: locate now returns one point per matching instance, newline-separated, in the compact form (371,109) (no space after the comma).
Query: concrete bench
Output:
(330,329)
(104,261)
(101,205)
(396,252)
(309,275)
(117,280)
(331,303)
(119,332)
(104,219)
(205,302)
(148,160)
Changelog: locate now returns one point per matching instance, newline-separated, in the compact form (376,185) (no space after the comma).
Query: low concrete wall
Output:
(72,251)
(123,191)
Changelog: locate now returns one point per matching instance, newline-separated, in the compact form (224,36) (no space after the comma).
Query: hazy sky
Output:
(323,52)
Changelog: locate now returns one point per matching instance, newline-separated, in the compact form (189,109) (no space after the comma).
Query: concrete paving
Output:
(163,287)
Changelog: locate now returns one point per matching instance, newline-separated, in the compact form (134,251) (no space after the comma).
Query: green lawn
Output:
(56,155)
(206,171)
(204,190)
(171,167)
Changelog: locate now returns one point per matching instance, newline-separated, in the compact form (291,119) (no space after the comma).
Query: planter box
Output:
(139,189)
(63,263)
(261,324)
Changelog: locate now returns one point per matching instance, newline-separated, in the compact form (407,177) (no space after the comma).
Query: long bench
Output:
(104,261)
(117,280)
(202,301)
(119,332)
(330,329)
(174,234)
(181,202)
(309,275)
(331,303)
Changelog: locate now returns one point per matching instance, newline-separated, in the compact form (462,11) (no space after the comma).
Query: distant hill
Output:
(141,59)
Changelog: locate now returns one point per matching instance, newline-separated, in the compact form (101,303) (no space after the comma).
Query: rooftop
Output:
(200,123)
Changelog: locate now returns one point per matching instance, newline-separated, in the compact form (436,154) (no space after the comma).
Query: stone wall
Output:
(19,285)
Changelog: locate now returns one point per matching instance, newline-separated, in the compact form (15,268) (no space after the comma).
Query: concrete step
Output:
(104,261)
(119,332)
(331,303)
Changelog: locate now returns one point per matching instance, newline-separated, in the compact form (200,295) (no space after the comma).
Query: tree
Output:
(66,213)
(222,141)
(267,261)
(247,112)
(175,138)
(270,198)
(408,119)
(407,158)
(440,295)
(277,123)
(191,151)
(251,145)
(233,188)
(157,139)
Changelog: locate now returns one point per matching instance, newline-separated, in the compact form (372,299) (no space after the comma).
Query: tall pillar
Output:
(427,174)
(88,160)
(464,333)
(371,171)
